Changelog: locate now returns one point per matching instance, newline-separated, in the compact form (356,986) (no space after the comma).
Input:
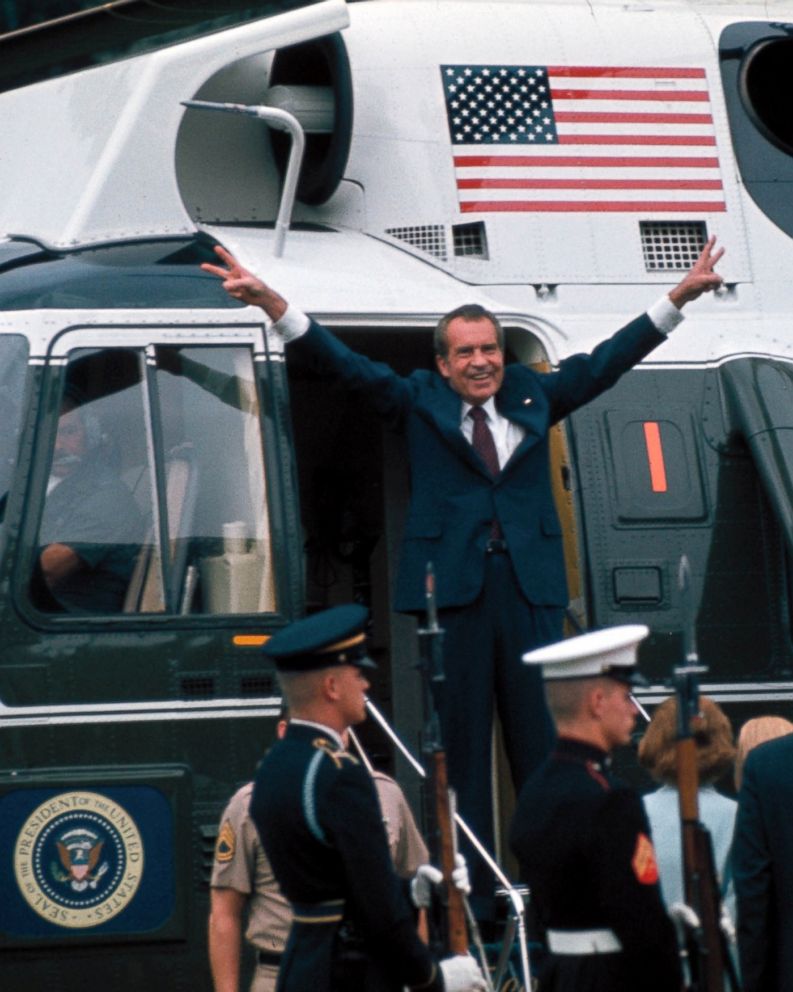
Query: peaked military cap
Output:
(609,653)
(332,637)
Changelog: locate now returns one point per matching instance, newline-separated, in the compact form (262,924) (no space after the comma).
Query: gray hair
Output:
(468,311)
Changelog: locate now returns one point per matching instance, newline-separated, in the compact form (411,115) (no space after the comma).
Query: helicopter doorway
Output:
(354,489)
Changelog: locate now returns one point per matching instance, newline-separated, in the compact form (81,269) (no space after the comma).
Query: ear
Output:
(595,700)
(330,686)
(443,366)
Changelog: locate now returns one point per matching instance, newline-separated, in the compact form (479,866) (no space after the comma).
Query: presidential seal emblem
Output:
(78,859)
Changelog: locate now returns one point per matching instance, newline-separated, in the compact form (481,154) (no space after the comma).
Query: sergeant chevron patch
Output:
(226,843)
(644,865)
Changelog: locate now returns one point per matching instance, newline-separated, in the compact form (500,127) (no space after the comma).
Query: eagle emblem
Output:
(80,852)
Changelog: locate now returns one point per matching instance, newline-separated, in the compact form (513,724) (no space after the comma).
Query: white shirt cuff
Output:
(292,325)
(665,315)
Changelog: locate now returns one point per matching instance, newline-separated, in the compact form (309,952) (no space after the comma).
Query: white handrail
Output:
(283,121)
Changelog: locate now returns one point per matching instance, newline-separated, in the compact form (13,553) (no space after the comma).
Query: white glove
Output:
(728,926)
(421,885)
(683,914)
(428,875)
(460,878)
(462,974)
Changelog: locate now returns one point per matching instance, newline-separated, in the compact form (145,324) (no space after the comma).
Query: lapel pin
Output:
(527,401)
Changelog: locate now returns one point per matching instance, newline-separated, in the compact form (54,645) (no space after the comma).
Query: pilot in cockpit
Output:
(91,528)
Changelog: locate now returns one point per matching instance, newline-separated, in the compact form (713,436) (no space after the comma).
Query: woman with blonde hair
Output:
(715,755)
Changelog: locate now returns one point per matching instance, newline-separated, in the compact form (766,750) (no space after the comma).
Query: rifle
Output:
(441,802)
(516,925)
(706,952)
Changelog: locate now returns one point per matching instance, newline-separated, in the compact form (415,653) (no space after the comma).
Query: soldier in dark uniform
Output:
(582,837)
(317,813)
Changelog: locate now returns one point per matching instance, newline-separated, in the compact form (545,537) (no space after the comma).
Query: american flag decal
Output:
(582,139)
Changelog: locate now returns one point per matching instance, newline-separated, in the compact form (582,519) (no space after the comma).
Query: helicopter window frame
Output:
(259,384)
(14,374)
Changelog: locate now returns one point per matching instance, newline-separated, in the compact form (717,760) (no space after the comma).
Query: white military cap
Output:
(610,652)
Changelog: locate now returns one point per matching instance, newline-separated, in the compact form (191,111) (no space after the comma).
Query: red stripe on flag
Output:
(664,96)
(590,206)
(618,117)
(579,161)
(589,184)
(655,456)
(637,139)
(624,72)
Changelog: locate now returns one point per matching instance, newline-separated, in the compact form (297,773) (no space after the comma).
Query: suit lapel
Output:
(521,400)
(444,410)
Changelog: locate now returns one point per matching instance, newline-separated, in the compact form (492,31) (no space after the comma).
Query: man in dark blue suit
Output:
(762,861)
(481,509)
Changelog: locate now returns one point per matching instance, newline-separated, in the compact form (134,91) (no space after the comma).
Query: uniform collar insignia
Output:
(333,751)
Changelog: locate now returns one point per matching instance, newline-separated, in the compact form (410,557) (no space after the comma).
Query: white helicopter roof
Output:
(91,156)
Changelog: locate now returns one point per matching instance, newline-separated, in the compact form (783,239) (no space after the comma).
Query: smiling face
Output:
(474,363)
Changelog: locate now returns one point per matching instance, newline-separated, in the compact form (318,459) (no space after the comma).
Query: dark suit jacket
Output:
(763,868)
(454,499)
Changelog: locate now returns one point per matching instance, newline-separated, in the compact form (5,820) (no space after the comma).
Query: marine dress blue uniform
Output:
(582,840)
(583,844)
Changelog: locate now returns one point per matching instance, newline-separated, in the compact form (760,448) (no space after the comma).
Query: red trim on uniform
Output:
(594,772)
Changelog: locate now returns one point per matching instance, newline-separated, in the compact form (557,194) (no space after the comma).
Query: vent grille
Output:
(429,238)
(209,836)
(470,240)
(671,246)
(198,687)
(261,684)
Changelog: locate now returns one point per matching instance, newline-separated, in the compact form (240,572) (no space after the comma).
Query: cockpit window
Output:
(13,363)
(156,499)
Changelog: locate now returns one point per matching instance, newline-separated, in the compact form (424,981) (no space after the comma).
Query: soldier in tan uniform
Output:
(243,883)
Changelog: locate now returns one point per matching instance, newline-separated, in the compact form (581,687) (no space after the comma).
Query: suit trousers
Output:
(483,646)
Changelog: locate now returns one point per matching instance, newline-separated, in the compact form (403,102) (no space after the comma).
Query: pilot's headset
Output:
(93,429)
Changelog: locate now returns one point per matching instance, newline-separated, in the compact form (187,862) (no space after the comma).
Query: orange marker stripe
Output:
(655,456)
(250,640)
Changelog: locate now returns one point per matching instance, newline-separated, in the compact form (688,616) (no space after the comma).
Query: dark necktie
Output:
(482,440)
(485,447)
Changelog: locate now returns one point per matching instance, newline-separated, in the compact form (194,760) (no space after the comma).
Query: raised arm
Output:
(245,286)
(700,278)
